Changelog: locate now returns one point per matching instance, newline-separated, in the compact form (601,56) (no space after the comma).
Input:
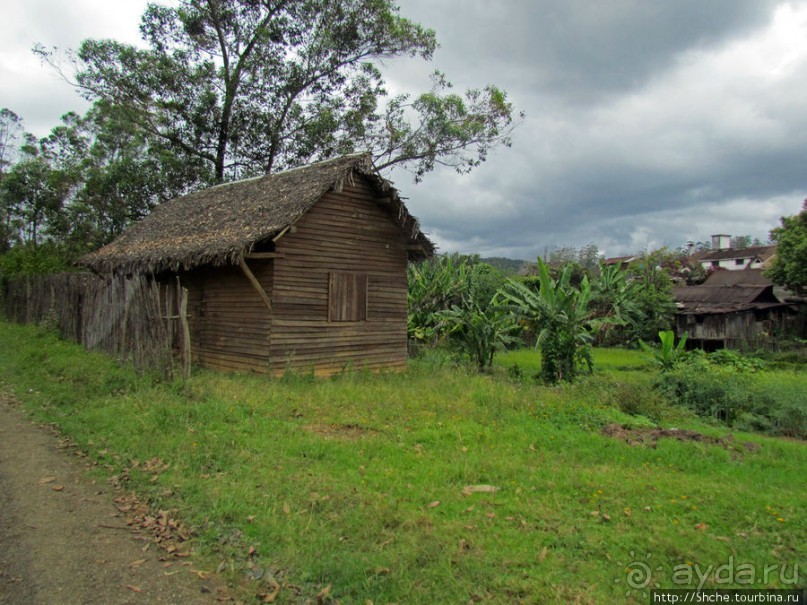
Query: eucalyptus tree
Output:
(34,194)
(252,86)
(11,131)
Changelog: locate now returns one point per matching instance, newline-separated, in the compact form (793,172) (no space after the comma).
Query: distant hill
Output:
(508,265)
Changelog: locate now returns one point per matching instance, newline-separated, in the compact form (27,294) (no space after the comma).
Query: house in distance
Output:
(723,256)
(303,269)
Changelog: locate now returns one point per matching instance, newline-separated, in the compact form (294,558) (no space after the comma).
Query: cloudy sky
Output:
(648,123)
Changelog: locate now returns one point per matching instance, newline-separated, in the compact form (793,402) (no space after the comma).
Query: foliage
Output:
(11,130)
(83,184)
(740,242)
(707,393)
(438,284)
(250,87)
(614,297)
(124,174)
(33,195)
(558,313)
(789,266)
(587,257)
(630,303)
(480,331)
(735,389)
(652,297)
(508,266)
(729,358)
(668,354)
(25,259)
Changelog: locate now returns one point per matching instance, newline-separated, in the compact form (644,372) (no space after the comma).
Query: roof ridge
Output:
(288,170)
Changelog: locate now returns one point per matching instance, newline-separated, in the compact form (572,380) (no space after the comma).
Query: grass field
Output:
(377,488)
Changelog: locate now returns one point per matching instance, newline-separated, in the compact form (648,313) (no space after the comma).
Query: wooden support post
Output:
(255,283)
(186,332)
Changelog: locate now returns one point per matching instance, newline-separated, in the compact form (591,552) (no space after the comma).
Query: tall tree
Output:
(789,267)
(124,174)
(252,86)
(34,193)
(11,130)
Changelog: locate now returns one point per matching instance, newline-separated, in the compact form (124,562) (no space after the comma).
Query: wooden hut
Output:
(732,309)
(304,269)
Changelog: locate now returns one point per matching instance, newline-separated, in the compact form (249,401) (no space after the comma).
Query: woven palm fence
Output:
(134,319)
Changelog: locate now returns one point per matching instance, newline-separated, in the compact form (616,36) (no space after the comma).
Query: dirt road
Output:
(62,540)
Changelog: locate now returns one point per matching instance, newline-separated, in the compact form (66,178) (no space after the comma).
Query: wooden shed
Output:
(732,309)
(304,269)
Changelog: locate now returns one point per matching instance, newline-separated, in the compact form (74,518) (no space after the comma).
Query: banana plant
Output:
(558,313)
(668,354)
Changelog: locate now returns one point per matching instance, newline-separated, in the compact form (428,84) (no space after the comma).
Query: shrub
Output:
(769,403)
(735,361)
(638,400)
(710,393)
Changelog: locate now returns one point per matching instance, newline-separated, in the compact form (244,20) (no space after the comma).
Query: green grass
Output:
(356,482)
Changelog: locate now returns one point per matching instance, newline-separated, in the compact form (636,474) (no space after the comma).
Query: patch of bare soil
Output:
(650,437)
(65,538)
(340,431)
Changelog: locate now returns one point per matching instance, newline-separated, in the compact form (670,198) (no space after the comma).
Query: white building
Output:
(723,256)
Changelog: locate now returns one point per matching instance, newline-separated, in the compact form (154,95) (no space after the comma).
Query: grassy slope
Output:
(356,482)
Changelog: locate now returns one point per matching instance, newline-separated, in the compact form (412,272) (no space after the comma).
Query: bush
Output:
(714,393)
(637,400)
(734,360)
(758,402)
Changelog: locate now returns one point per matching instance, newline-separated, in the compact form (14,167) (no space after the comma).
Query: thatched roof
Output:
(219,225)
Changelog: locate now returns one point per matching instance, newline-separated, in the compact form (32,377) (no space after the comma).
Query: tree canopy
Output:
(252,86)
(789,267)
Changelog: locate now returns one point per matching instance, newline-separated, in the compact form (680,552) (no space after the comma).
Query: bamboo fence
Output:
(134,319)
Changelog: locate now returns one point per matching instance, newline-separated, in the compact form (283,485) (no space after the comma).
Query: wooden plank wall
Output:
(346,231)
(229,322)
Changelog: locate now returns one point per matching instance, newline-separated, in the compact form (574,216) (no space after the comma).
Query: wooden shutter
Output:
(347,297)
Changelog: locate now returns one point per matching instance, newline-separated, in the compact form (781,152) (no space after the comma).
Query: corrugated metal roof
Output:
(746,277)
(711,299)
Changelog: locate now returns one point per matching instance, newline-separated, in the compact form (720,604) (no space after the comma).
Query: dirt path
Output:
(62,540)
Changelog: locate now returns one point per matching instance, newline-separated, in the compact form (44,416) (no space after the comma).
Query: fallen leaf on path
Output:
(434,504)
(57,488)
(137,563)
(48,479)
(133,588)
